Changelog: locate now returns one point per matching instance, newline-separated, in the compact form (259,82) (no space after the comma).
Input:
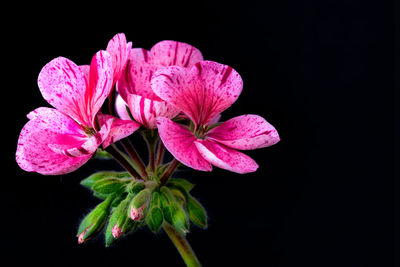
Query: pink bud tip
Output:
(137,214)
(80,237)
(116,231)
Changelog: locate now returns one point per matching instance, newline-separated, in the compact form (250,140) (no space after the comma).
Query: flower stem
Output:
(182,245)
(151,138)
(152,157)
(160,153)
(130,149)
(118,156)
(170,170)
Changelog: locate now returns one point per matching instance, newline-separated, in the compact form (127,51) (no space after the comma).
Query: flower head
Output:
(60,140)
(201,93)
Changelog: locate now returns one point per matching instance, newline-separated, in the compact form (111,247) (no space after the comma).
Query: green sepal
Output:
(102,154)
(191,126)
(179,196)
(197,213)
(101,196)
(135,187)
(179,190)
(141,198)
(89,181)
(95,220)
(180,182)
(154,218)
(130,226)
(167,194)
(179,218)
(118,199)
(109,185)
(173,211)
(165,203)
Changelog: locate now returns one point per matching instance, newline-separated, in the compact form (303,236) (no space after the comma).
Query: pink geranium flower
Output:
(201,93)
(58,141)
(134,86)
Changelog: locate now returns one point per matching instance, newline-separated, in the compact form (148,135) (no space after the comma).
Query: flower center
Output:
(201,131)
(90,131)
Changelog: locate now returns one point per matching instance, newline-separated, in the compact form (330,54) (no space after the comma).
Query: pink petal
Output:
(169,53)
(137,75)
(88,147)
(245,132)
(202,92)
(180,142)
(225,158)
(54,120)
(100,84)
(216,119)
(49,126)
(146,111)
(119,128)
(62,84)
(119,51)
(121,108)
(85,70)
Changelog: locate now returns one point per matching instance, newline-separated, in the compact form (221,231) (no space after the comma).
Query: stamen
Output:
(88,130)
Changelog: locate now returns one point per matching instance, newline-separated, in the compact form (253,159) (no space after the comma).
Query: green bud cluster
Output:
(128,204)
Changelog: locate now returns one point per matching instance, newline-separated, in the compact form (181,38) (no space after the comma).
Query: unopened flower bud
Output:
(115,228)
(94,221)
(139,203)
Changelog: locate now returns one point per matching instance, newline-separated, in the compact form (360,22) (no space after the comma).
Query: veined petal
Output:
(146,111)
(62,84)
(53,120)
(245,132)
(99,87)
(225,158)
(180,142)
(137,75)
(170,53)
(119,50)
(119,128)
(85,70)
(215,119)
(121,108)
(203,91)
(49,126)
(87,148)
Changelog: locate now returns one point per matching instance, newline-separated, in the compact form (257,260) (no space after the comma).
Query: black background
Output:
(322,72)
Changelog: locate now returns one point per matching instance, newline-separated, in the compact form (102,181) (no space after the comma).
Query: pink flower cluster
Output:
(157,89)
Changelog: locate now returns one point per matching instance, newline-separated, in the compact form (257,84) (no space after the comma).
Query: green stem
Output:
(182,245)
(170,170)
(152,157)
(160,153)
(118,156)
(130,149)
